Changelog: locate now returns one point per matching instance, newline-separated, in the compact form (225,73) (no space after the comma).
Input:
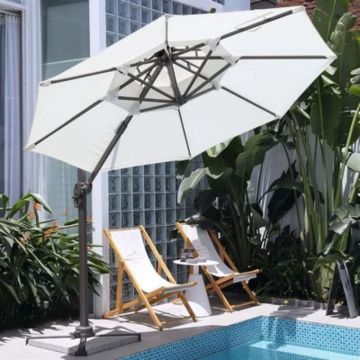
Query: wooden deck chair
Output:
(221,275)
(151,287)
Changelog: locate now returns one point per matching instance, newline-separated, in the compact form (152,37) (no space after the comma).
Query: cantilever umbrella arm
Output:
(82,188)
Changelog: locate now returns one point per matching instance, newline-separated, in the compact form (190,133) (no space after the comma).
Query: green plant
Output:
(286,267)
(323,123)
(39,263)
(320,128)
(228,167)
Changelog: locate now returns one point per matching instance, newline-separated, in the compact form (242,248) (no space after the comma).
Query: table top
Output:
(196,262)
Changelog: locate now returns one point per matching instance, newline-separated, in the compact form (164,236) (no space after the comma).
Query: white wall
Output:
(99,196)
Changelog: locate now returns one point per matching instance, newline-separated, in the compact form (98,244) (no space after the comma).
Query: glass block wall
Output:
(146,194)
(126,16)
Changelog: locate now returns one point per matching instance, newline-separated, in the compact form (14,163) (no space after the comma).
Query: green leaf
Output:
(216,150)
(253,154)
(326,108)
(4,201)
(10,290)
(40,200)
(326,15)
(189,183)
(354,90)
(182,167)
(343,217)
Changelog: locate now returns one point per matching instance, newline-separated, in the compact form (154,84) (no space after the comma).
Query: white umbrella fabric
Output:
(209,77)
(171,90)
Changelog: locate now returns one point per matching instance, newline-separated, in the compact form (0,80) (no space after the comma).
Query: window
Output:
(65,42)
(10,105)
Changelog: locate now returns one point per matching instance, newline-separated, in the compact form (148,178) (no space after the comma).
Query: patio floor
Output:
(12,343)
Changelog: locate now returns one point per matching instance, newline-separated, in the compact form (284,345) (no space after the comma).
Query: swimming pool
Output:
(263,338)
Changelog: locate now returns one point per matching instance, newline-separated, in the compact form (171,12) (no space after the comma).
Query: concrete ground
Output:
(12,343)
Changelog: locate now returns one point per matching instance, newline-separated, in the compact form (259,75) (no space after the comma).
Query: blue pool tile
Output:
(279,331)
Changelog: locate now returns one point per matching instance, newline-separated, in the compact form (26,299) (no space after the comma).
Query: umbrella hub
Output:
(171,77)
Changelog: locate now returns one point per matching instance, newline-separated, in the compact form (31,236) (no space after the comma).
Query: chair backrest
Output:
(204,246)
(128,245)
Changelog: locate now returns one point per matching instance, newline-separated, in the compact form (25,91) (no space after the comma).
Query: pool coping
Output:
(137,354)
(12,342)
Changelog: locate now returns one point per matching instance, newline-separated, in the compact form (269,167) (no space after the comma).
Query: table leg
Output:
(197,295)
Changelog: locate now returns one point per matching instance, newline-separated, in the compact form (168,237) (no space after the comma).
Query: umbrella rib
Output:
(150,83)
(283,57)
(94,73)
(121,129)
(135,77)
(196,75)
(75,77)
(188,49)
(200,57)
(157,107)
(174,85)
(150,86)
(249,101)
(82,112)
(235,32)
(189,65)
(184,132)
(144,62)
(228,90)
(202,92)
(259,23)
(130,98)
(208,80)
(200,75)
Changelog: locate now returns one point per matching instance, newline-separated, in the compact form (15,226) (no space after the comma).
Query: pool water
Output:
(263,338)
(267,350)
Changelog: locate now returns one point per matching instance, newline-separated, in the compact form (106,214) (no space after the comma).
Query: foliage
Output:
(286,268)
(323,123)
(228,168)
(320,128)
(39,262)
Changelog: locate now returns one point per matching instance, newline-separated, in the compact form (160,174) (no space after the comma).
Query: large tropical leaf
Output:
(326,117)
(189,183)
(286,191)
(326,15)
(353,162)
(331,111)
(354,88)
(253,154)
(346,47)
(345,216)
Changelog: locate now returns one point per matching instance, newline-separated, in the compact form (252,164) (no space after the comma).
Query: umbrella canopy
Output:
(179,86)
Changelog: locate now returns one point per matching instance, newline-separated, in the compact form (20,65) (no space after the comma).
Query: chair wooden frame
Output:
(216,285)
(144,300)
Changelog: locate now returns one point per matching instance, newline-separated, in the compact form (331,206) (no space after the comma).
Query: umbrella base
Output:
(67,344)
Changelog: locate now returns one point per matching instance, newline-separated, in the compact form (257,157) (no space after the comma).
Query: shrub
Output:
(39,264)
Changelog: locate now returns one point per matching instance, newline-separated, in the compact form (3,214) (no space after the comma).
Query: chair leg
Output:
(152,313)
(187,305)
(112,313)
(218,291)
(119,288)
(251,294)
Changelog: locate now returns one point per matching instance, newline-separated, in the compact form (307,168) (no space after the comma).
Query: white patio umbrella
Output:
(172,90)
